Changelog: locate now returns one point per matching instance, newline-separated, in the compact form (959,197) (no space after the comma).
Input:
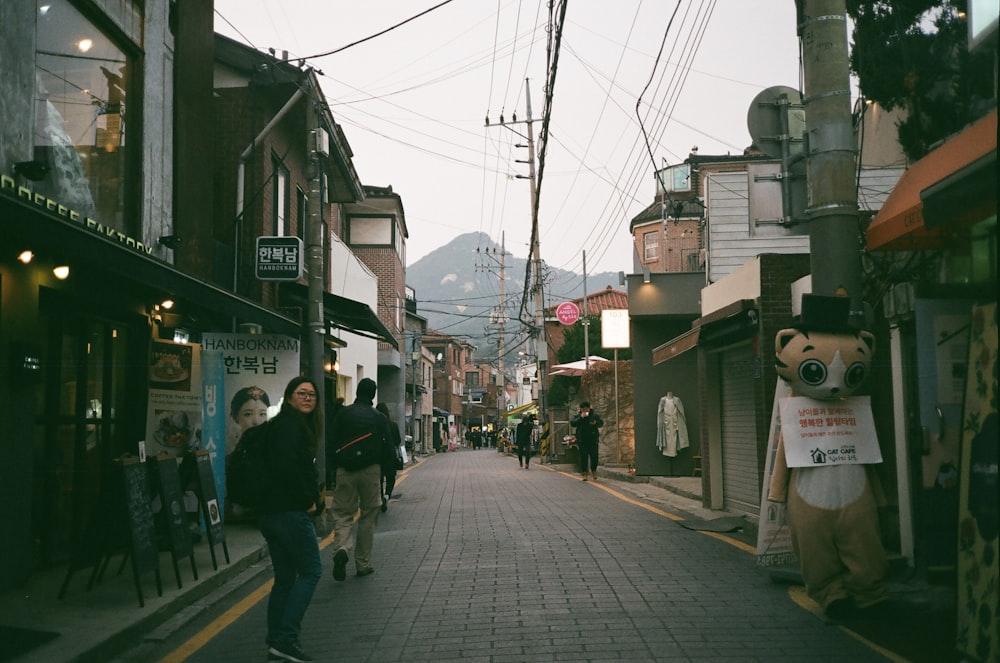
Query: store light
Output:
(26,257)
(61,272)
(167,304)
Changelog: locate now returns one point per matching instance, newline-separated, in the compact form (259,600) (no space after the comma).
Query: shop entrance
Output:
(91,372)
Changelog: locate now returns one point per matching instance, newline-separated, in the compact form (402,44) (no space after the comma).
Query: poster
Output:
(820,433)
(774,540)
(979,499)
(173,418)
(246,375)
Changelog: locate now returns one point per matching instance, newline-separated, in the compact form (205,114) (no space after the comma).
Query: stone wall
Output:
(617,445)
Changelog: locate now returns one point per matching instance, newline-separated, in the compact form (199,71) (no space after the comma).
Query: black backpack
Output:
(247,471)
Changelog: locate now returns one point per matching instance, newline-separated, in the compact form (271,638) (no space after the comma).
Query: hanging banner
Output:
(248,378)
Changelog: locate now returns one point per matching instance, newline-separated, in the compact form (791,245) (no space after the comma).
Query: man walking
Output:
(523,439)
(360,447)
(587,424)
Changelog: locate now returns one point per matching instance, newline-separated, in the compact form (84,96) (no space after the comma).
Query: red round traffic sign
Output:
(568,313)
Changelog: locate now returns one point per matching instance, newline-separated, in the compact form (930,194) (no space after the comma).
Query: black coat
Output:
(293,484)
(587,428)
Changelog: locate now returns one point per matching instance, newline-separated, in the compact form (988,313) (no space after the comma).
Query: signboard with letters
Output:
(820,433)
(278,259)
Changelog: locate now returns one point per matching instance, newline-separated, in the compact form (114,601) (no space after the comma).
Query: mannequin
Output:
(671,426)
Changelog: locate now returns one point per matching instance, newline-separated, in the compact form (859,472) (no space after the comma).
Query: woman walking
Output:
(292,500)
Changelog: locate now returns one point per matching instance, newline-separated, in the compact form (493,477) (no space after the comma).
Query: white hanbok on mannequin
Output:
(671,426)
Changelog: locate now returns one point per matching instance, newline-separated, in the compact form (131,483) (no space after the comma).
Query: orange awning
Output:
(900,224)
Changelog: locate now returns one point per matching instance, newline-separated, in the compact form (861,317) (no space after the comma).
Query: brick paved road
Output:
(481,561)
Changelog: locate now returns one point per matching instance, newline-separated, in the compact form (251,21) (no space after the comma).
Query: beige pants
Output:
(840,551)
(356,489)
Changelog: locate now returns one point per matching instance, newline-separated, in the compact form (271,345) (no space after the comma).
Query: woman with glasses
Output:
(286,518)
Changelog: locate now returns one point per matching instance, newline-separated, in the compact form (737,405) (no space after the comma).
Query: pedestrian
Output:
(587,424)
(333,405)
(291,501)
(522,437)
(361,446)
(394,464)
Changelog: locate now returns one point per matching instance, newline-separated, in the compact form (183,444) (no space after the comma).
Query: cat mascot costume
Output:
(832,509)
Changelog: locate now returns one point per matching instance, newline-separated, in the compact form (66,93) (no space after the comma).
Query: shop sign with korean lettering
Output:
(279,259)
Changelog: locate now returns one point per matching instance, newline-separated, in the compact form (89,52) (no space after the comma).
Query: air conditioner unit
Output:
(321,142)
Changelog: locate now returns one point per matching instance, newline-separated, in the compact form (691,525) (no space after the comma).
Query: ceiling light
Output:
(61,272)
(167,304)
(85,45)
(26,256)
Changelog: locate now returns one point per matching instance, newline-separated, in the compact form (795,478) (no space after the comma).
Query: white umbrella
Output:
(577,367)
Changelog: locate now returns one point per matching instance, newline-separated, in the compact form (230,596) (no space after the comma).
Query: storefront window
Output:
(81,81)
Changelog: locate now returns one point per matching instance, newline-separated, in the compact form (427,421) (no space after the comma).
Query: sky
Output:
(638,84)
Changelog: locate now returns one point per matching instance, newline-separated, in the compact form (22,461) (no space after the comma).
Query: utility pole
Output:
(541,348)
(541,343)
(499,318)
(315,322)
(832,200)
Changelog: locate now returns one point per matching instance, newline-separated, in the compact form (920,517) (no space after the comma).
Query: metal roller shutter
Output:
(741,492)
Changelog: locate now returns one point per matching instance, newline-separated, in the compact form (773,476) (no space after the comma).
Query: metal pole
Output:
(586,320)
(618,428)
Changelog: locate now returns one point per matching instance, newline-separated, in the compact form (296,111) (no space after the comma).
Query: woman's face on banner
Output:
(252,413)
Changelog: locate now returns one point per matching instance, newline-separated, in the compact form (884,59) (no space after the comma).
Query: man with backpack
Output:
(360,447)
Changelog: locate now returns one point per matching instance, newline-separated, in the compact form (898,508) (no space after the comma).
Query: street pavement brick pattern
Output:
(480,561)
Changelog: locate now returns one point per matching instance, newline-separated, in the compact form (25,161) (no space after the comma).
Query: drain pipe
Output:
(240,174)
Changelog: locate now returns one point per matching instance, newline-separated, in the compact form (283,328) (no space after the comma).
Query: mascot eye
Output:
(855,374)
(812,372)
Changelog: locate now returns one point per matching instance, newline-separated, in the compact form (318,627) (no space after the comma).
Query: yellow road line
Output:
(798,596)
(217,625)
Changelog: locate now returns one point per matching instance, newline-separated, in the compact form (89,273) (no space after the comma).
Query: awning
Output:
(913,216)
(126,262)
(676,346)
(341,313)
(524,409)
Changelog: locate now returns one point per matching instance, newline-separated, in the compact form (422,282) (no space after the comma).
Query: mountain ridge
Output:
(457,289)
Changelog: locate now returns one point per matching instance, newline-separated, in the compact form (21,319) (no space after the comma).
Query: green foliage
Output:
(913,54)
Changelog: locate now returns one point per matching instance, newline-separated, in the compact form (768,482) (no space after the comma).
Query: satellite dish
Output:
(774,113)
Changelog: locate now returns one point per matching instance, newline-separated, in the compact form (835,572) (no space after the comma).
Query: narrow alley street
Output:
(478,560)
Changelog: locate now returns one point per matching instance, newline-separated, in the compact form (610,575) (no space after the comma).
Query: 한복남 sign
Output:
(279,259)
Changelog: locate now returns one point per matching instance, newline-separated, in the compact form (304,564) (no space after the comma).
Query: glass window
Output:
(365,230)
(82,80)
(279,212)
(472,379)
(651,246)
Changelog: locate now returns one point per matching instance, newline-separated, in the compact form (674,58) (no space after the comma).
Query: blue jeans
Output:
(291,541)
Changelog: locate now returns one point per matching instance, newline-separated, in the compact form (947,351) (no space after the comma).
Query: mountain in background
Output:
(457,288)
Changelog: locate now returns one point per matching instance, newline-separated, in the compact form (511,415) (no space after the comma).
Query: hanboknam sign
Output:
(279,259)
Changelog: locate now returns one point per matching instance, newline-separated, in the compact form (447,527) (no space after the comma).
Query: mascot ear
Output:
(868,338)
(782,339)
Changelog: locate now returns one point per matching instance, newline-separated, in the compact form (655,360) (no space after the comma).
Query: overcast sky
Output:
(413,104)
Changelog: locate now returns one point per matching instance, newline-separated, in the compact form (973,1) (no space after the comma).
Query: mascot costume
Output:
(832,508)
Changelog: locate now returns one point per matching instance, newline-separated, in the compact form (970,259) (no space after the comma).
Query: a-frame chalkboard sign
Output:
(171,521)
(142,533)
(208,499)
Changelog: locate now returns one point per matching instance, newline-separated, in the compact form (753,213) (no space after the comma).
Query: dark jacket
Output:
(587,428)
(354,421)
(522,434)
(293,485)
